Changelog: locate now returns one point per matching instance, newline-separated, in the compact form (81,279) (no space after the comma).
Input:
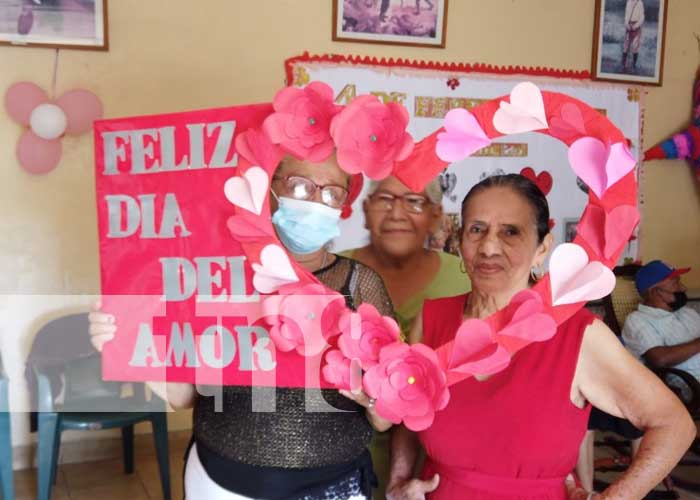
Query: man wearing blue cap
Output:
(663,330)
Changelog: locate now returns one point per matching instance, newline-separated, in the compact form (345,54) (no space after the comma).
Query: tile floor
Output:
(105,480)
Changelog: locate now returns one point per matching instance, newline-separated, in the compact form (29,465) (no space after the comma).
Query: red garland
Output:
(432,65)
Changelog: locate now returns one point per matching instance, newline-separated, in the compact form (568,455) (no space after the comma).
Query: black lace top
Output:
(292,437)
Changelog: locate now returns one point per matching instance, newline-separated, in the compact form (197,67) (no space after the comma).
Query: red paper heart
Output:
(475,350)
(543,181)
(569,124)
(617,224)
(246,228)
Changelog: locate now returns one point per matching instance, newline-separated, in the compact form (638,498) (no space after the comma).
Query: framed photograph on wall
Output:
(396,22)
(71,24)
(628,41)
(570,229)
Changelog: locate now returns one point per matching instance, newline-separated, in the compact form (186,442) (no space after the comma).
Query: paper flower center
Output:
(312,121)
(373,138)
(411,380)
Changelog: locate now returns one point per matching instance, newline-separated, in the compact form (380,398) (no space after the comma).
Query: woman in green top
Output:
(399,222)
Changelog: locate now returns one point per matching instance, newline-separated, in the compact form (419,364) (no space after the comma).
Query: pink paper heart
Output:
(524,113)
(463,136)
(616,225)
(249,190)
(574,279)
(246,228)
(275,270)
(600,166)
(570,123)
(533,327)
(528,322)
(475,351)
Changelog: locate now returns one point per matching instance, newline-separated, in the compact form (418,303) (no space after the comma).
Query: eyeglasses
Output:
(411,202)
(301,188)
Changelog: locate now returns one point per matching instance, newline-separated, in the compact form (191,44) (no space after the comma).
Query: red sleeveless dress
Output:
(515,435)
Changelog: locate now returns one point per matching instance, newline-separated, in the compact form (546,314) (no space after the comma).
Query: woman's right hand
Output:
(412,489)
(102,326)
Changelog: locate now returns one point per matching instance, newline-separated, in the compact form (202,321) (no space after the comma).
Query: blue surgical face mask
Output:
(305,226)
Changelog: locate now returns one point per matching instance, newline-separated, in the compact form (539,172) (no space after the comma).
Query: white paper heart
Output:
(274,271)
(524,113)
(248,191)
(574,279)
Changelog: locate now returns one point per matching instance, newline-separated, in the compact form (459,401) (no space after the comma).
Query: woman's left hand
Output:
(362,399)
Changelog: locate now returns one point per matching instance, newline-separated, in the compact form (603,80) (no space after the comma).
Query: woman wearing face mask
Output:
(516,434)
(289,452)
(399,222)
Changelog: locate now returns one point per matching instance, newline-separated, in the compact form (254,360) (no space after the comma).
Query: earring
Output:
(536,273)
(462,266)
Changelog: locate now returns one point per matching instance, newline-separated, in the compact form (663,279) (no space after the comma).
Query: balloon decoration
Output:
(686,144)
(39,147)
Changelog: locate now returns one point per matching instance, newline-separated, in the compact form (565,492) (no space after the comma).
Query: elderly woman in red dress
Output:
(516,434)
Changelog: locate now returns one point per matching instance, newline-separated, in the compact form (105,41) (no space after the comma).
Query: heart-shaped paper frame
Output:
(422,165)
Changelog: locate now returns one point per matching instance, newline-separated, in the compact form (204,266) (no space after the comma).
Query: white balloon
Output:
(48,121)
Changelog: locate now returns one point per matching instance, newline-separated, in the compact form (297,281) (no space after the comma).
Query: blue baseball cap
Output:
(655,272)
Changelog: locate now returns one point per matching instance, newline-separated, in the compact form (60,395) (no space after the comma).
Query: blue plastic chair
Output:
(89,403)
(6,479)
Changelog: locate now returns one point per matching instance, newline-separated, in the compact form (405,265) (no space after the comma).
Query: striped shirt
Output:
(650,327)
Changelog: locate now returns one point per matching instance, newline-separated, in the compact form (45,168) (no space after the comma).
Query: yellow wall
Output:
(170,55)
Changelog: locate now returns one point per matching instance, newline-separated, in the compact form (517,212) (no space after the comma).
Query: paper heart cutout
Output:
(248,190)
(524,113)
(256,147)
(574,279)
(246,228)
(275,270)
(475,351)
(598,165)
(528,321)
(569,123)
(543,180)
(619,222)
(463,136)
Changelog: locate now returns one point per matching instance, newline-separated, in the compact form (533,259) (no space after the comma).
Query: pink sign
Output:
(180,287)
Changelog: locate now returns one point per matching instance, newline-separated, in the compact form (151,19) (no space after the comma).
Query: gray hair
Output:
(433,191)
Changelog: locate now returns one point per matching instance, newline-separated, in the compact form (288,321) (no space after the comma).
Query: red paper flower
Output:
(302,318)
(408,385)
(371,136)
(364,333)
(301,121)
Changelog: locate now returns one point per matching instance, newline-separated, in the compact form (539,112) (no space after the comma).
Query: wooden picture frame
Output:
(417,23)
(64,24)
(629,40)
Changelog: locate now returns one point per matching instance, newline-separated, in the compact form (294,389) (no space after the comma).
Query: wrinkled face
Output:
(398,219)
(499,241)
(288,181)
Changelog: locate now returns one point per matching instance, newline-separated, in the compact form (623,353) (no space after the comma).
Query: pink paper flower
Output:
(301,121)
(364,333)
(371,136)
(302,318)
(337,369)
(408,385)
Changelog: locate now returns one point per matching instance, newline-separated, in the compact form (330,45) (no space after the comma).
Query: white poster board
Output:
(428,95)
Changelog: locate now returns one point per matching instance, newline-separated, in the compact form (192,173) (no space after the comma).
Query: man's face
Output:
(668,287)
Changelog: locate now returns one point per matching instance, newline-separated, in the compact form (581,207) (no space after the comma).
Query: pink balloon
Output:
(21,99)
(82,107)
(37,155)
